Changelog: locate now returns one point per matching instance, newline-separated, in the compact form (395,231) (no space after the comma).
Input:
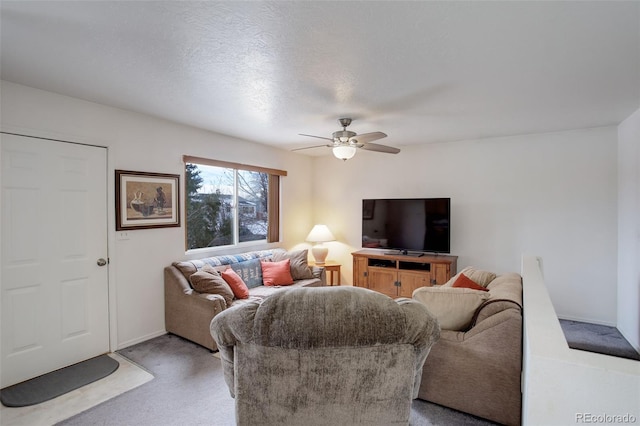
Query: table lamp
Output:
(320,234)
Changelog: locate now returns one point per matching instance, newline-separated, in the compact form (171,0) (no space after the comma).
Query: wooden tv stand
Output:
(398,275)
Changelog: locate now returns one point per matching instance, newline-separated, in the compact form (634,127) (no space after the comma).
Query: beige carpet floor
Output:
(189,389)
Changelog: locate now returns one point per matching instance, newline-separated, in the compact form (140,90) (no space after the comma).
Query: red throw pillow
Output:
(277,273)
(239,288)
(466,282)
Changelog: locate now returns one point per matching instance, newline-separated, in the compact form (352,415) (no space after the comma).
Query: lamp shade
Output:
(344,152)
(320,234)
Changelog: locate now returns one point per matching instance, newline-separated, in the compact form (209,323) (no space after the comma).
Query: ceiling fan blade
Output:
(380,148)
(309,147)
(367,137)
(319,137)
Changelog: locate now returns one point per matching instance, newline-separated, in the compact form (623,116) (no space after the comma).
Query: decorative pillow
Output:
(478,276)
(187,268)
(239,288)
(250,271)
(465,282)
(454,307)
(300,269)
(205,282)
(277,273)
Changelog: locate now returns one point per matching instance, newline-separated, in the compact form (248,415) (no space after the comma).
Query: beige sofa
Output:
(188,313)
(478,370)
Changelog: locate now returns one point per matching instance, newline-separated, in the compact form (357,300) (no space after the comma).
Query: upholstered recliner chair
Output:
(316,356)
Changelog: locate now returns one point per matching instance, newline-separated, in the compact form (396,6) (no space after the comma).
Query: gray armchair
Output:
(316,356)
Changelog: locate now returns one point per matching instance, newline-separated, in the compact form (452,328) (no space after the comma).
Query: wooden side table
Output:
(332,268)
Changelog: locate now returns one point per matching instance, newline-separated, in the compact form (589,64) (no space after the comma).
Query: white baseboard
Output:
(132,342)
(587,320)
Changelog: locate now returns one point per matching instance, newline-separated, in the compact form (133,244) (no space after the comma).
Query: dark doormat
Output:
(59,382)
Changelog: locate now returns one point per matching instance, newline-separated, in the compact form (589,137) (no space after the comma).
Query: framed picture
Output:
(367,208)
(147,200)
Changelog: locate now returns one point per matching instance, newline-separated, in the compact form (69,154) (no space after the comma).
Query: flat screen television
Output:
(407,225)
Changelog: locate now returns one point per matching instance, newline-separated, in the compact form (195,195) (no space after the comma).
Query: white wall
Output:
(143,143)
(629,229)
(550,194)
(561,386)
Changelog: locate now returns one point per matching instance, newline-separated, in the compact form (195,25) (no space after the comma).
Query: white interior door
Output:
(54,295)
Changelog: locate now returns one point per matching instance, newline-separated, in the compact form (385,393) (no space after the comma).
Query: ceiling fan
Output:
(344,143)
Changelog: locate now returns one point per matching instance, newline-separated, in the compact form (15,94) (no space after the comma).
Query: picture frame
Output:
(368,207)
(146,200)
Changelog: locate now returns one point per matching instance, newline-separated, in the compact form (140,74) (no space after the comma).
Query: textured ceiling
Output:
(421,72)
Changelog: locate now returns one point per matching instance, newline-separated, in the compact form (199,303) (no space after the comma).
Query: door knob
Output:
(101,262)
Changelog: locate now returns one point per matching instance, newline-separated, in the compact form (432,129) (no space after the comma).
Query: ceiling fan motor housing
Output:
(344,122)
(343,136)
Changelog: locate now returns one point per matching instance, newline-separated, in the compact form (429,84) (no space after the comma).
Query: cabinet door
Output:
(360,272)
(411,280)
(383,280)
(440,272)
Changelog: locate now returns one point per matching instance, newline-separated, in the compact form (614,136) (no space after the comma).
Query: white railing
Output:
(563,386)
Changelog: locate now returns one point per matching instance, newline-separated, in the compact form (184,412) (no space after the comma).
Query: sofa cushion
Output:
(465,282)
(276,273)
(507,286)
(250,271)
(187,268)
(454,307)
(480,277)
(264,291)
(239,288)
(300,269)
(211,283)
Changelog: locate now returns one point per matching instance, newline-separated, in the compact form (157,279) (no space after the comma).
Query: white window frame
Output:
(273,230)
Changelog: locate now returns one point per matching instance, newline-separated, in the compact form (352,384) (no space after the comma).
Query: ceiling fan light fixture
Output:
(344,152)
(344,143)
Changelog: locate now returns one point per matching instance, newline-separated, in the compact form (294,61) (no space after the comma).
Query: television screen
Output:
(409,224)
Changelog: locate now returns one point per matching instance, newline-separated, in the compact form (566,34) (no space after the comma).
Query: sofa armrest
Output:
(495,321)
(492,307)
(229,333)
(321,273)
(489,356)
(212,298)
(188,313)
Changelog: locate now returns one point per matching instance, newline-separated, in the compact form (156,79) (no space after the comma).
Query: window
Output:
(230,203)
